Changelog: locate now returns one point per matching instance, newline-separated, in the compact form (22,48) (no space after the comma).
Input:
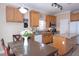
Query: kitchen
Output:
(65,24)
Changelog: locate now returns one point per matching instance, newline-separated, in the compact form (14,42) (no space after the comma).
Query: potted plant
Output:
(25,34)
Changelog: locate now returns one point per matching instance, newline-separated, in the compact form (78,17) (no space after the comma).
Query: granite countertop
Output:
(69,36)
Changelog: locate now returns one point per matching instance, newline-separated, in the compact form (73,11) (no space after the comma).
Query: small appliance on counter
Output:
(25,21)
(53,28)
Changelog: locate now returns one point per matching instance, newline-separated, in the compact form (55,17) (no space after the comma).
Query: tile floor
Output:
(74,52)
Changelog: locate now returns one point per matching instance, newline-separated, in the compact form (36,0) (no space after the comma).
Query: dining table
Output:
(32,49)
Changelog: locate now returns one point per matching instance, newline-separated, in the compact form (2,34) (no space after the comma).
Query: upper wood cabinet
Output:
(34,18)
(74,16)
(10,13)
(50,19)
(13,14)
(18,16)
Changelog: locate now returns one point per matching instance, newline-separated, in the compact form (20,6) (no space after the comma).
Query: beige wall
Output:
(7,29)
(63,20)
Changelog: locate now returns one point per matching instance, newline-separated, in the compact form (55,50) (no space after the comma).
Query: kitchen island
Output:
(63,42)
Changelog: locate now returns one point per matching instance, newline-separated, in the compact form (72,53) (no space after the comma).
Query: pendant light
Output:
(23,11)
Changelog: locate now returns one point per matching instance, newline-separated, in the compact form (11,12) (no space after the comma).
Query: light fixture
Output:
(57,6)
(23,10)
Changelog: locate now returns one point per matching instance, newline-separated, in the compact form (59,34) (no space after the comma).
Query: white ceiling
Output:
(46,8)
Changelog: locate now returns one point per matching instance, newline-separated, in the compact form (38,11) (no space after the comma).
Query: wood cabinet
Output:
(50,19)
(18,16)
(32,36)
(63,44)
(74,16)
(47,37)
(10,13)
(34,19)
(13,14)
(47,21)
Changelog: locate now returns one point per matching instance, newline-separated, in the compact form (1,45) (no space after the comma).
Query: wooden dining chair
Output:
(17,37)
(6,49)
(3,44)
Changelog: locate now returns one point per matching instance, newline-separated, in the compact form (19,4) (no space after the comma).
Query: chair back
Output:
(2,43)
(6,49)
(17,37)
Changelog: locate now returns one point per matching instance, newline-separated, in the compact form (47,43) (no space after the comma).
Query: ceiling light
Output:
(23,10)
(57,6)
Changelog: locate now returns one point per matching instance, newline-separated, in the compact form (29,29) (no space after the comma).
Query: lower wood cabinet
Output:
(63,44)
(47,37)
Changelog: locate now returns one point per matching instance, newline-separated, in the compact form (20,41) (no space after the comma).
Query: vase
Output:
(25,44)
(25,41)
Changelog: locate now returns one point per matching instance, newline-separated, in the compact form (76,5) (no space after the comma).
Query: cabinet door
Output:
(18,16)
(74,17)
(47,21)
(53,19)
(13,14)
(50,19)
(59,42)
(10,14)
(47,38)
(70,43)
(34,19)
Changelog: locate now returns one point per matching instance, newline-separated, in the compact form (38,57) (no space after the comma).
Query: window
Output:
(42,25)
